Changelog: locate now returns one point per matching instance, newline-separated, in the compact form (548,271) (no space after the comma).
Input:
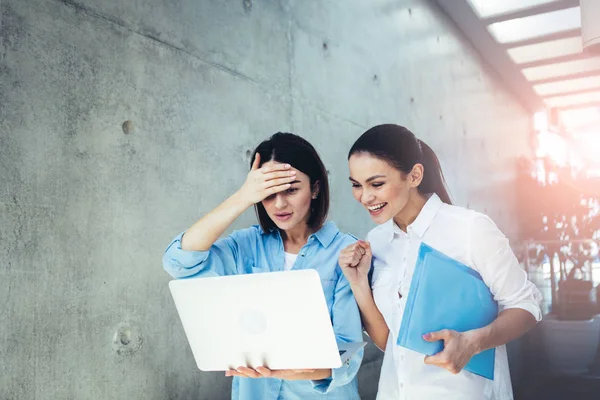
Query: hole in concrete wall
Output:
(248,156)
(412,100)
(441,117)
(125,337)
(128,127)
(127,340)
(375,78)
(438,39)
(325,46)
(247,5)
(409,11)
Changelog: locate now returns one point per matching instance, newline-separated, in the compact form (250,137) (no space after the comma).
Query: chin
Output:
(381,218)
(284,226)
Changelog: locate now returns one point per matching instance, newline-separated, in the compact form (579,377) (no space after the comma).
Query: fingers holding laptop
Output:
(264,372)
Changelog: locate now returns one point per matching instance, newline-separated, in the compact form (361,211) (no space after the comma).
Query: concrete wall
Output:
(86,210)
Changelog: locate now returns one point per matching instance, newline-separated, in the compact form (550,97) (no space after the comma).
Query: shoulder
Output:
(476,223)
(341,239)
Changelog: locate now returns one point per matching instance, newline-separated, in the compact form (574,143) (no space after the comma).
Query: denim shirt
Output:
(252,250)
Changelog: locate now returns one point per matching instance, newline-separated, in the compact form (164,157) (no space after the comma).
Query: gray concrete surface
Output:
(86,210)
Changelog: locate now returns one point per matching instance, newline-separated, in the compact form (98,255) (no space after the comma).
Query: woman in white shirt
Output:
(398,179)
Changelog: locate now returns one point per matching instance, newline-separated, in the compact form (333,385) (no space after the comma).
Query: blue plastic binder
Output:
(446,294)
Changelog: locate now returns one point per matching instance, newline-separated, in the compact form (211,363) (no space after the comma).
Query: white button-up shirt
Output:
(473,239)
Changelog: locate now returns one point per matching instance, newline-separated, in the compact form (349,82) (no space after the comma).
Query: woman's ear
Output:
(415,176)
(315,190)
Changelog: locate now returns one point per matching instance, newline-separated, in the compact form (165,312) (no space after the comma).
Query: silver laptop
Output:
(279,320)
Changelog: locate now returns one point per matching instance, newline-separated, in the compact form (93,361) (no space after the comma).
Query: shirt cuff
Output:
(181,263)
(528,305)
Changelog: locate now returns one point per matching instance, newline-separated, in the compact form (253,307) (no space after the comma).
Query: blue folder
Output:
(446,294)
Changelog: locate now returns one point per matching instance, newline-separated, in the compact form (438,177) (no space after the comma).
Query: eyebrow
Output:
(296,181)
(369,179)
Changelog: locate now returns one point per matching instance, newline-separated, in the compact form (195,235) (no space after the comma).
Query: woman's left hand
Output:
(264,372)
(459,348)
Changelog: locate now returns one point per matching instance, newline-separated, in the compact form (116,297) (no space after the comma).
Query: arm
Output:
(348,329)
(206,231)
(260,183)
(355,261)
(372,319)
(198,249)
(509,325)
(518,298)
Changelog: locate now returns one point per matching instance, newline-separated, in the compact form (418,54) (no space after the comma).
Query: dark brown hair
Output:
(399,147)
(300,154)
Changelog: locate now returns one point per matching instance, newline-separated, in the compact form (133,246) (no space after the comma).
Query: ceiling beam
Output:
(554,60)
(579,105)
(533,10)
(585,127)
(560,78)
(544,38)
(476,32)
(571,92)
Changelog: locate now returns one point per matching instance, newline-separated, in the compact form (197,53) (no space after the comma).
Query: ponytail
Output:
(433,177)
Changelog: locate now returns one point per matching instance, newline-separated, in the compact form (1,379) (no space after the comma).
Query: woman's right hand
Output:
(265,181)
(355,261)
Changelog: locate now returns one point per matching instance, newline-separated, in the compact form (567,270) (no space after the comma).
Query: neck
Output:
(296,236)
(411,210)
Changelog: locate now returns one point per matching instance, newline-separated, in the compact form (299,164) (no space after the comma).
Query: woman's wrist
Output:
(240,200)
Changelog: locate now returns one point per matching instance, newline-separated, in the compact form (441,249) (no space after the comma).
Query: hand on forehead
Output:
(272,163)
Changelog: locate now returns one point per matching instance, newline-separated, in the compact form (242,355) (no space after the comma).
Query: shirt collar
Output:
(420,224)
(325,235)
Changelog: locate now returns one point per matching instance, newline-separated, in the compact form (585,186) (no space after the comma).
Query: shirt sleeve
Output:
(220,259)
(495,261)
(348,328)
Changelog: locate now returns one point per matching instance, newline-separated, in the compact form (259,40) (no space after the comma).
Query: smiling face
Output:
(291,207)
(382,189)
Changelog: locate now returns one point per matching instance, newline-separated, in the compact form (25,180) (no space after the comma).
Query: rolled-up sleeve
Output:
(220,259)
(495,261)
(348,328)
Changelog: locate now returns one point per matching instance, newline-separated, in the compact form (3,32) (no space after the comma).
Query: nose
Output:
(367,197)
(280,201)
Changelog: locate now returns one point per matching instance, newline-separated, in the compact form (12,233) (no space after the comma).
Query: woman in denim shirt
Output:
(288,186)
